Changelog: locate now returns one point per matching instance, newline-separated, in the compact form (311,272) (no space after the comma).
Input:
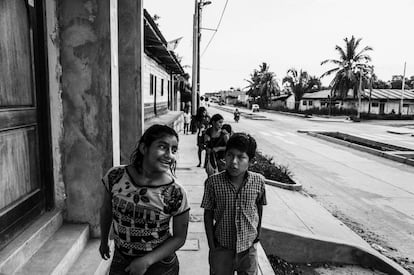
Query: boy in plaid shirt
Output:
(233,204)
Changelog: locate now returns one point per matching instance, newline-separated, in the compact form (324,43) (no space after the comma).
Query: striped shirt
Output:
(236,213)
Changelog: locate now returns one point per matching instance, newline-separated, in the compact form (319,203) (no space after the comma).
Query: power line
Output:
(218,25)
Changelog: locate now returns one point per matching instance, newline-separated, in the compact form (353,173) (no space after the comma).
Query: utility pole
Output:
(194,77)
(195,91)
(359,94)
(402,91)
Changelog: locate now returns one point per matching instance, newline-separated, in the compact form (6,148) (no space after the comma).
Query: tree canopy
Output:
(300,83)
(262,84)
(351,65)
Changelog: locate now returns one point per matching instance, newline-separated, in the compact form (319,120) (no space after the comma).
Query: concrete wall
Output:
(86,144)
(316,103)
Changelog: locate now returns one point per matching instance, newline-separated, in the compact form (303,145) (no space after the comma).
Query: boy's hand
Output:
(104,251)
(138,266)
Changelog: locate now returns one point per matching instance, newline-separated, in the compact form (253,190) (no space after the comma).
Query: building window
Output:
(310,102)
(304,103)
(162,87)
(374,104)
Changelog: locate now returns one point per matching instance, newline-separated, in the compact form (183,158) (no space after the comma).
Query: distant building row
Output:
(377,101)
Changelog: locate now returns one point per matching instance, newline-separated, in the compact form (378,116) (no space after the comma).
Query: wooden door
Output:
(381,108)
(22,192)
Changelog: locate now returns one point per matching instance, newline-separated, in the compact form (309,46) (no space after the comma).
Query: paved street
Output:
(372,195)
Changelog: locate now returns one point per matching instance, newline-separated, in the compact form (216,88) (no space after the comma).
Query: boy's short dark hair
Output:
(244,143)
(227,127)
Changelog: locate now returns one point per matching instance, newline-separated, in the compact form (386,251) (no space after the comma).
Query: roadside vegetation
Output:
(352,71)
(270,170)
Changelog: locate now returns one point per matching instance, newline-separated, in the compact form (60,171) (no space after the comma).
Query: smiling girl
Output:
(140,200)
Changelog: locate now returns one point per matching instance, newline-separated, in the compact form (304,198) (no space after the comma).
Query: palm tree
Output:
(300,83)
(262,84)
(254,85)
(351,65)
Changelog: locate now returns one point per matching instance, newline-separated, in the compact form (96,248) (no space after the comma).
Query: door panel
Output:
(15,55)
(22,194)
(18,166)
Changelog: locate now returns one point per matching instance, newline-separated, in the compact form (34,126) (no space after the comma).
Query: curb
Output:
(292,187)
(372,151)
(295,247)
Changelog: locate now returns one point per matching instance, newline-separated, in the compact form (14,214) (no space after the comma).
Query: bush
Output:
(240,104)
(342,112)
(387,116)
(266,166)
(318,111)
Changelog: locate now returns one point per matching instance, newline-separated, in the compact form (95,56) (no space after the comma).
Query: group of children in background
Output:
(142,197)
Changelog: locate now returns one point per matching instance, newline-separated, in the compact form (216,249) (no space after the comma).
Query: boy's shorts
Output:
(225,261)
(167,266)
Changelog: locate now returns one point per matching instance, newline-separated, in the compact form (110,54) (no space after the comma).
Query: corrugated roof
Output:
(376,94)
(316,95)
(156,45)
(388,94)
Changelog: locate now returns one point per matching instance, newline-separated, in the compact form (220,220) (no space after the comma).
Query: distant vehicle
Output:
(222,103)
(255,107)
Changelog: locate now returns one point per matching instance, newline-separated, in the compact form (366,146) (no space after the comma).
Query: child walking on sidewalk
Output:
(140,200)
(187,120)
(233,205)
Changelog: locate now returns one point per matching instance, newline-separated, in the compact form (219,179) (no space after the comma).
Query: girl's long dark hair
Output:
(216,118)
(153,133)
(200,113)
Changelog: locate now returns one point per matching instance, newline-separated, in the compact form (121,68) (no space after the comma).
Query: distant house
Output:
(286,100)
(318,99)
(234,96)
(161,70)
(383,101)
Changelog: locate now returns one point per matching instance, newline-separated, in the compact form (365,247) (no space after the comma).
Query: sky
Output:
(287,34)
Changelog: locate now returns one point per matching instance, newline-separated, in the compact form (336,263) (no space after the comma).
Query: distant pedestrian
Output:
(187,119)
(140,200)
(233,205)
(202,121)
(215,140)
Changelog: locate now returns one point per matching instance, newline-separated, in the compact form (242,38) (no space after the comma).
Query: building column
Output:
(131,47)
(86,145)
(173,97)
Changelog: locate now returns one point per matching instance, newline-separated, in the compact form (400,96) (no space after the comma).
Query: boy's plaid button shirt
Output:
(235,212)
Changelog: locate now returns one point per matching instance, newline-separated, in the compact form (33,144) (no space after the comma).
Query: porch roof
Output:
(317,95)
(156,46)
(388,94)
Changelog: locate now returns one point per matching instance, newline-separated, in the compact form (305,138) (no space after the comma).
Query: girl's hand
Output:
(138,266)
(104,251)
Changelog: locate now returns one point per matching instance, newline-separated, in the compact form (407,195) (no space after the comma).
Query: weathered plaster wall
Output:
(55,97)
(87,142)
(130,48)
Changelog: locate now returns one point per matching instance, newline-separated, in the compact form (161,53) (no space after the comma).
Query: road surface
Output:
(372,195)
